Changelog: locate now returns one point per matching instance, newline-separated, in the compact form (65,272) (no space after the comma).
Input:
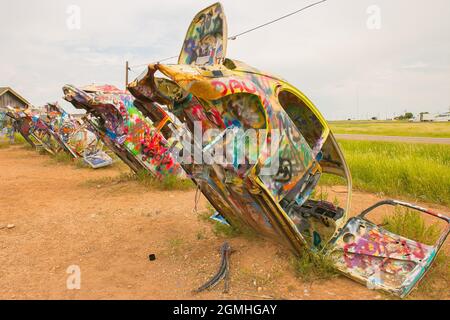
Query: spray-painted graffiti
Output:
(270,193)
(205,40)
(54,130)
(124,129)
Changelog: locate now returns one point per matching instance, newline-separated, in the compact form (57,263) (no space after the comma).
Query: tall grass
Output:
(411,224)
(418,171)
(393,128)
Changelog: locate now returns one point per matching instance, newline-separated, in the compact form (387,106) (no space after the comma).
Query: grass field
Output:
(416,171)
(393,128)
(18,139)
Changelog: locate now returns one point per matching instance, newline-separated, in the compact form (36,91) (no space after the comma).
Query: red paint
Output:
(233,86)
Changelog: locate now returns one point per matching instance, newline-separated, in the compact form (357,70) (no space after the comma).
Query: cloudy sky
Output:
(333,52)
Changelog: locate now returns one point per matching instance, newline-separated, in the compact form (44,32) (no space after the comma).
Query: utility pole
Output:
(127,68)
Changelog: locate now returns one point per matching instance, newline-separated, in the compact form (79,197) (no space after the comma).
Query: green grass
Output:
(235,229)
(146,179)
(63,158)
(411,224)
(310,266)
(170,182)
(393,128)
(18,140)
(419,172)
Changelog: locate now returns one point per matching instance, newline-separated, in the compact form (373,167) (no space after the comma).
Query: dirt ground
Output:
(63,216)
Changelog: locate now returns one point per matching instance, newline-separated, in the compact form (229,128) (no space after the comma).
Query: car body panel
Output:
(124,129)
(228,95)
(206,38)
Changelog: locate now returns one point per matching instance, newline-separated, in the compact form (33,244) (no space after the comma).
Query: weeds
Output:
(411,224)
(223,230)
(311,266)
(235,229)
(107,181)
(42,151)
(170,182)
(145,179)
(80,163)
(63,157)
(18,140)
(437,280)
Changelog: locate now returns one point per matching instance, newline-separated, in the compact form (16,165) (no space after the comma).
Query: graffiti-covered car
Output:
(124,129)
(74,137)
(34,129)
(22,124)
(230,109)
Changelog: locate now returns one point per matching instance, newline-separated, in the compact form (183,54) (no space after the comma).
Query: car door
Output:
(381,259)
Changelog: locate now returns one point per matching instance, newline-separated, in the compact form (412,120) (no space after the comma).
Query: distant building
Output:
(9,97)
(442,117)
(429,117)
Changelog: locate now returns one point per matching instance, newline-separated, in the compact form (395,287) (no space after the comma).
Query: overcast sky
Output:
(346,68)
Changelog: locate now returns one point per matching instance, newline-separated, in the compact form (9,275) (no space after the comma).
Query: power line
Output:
(146,64)
(246,31)
(276,20)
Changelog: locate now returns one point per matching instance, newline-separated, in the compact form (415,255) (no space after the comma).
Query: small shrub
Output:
(311,266)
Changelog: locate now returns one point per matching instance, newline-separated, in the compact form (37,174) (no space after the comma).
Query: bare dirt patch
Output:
(60,219)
